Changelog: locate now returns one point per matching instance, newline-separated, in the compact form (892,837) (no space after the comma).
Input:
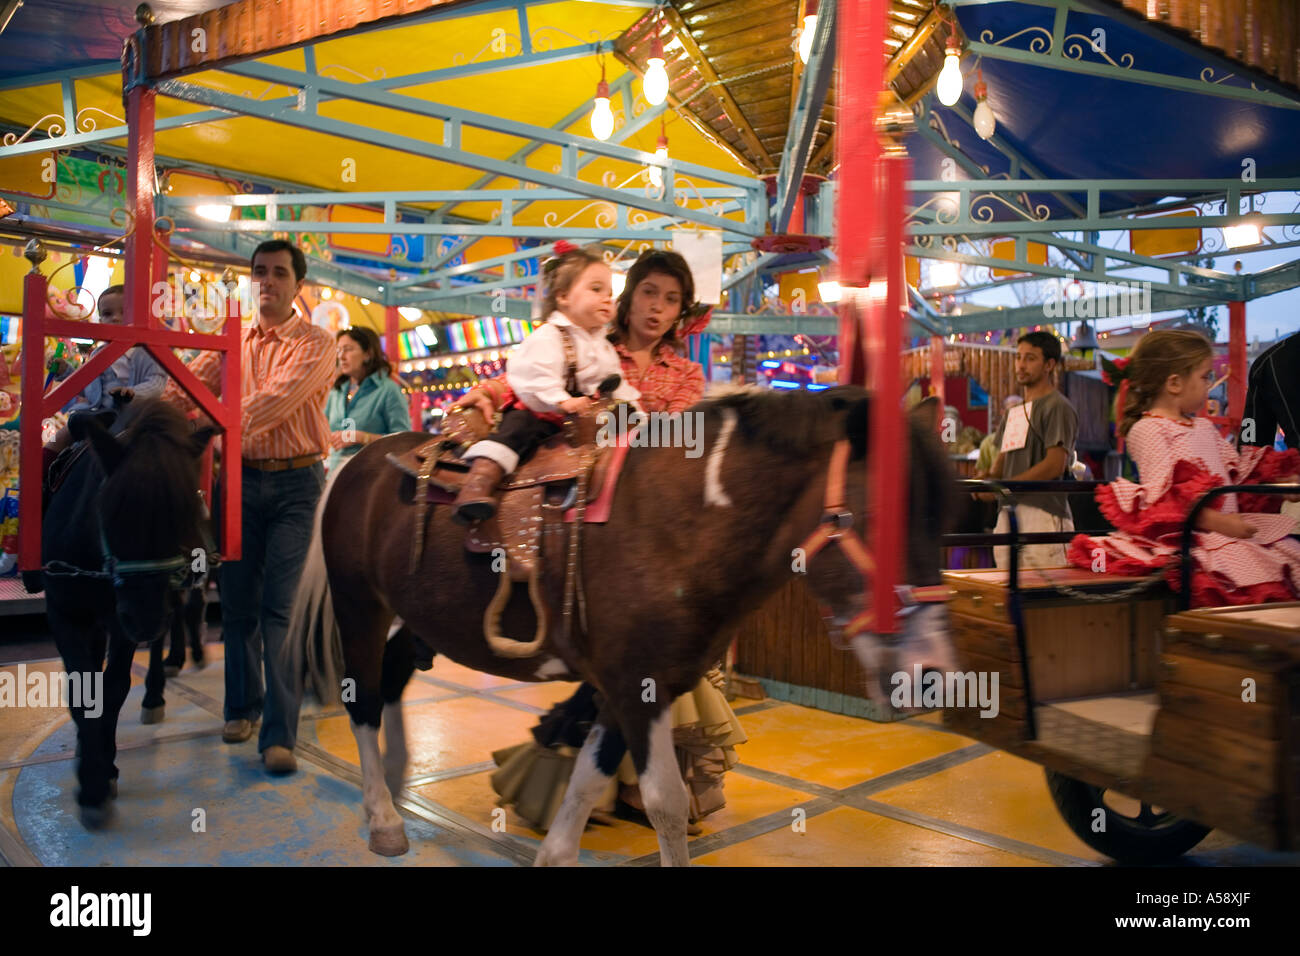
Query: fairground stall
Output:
(881,193)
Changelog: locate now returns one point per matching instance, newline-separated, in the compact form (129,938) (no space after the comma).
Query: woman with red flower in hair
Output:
(1244,552)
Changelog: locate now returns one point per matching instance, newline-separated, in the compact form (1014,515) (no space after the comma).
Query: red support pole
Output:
(888,467)
(1237,363)
(392,329)
(30,458)
(417,410)
(232,469)
(139,200)
(160,262)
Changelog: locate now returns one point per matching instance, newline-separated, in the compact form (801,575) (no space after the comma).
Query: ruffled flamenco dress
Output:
(533,775)
(1178,462)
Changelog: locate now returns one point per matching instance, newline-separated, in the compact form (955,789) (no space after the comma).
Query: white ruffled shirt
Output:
(536,369)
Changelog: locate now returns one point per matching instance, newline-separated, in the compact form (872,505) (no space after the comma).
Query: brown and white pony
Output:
(692,545)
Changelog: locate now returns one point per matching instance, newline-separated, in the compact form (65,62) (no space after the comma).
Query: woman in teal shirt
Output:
(365,403)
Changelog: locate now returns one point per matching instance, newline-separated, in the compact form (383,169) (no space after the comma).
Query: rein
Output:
(115,570)
(836,527)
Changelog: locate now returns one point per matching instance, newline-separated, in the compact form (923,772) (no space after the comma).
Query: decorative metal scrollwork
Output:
(1073,46)
(984,213)
(1039,44)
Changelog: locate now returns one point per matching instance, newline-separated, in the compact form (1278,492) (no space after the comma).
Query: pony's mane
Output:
(790,422)
(154,488)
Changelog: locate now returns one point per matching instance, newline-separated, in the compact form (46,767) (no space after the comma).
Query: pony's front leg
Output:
(666,802)
(387,834)
(596,764)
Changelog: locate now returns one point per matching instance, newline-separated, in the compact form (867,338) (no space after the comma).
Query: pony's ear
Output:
(93,428)
(199,440)
(927,413)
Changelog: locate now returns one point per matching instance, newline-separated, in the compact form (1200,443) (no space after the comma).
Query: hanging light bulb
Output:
(655,85)
(656,173)
(809,27)
(985,121)
(602,117)
(950,80)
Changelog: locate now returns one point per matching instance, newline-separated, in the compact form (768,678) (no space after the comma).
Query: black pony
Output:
(120,533)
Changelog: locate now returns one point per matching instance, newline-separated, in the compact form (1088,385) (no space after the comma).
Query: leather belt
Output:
(283,464)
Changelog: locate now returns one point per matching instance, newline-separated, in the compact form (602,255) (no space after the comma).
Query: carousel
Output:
(892,221)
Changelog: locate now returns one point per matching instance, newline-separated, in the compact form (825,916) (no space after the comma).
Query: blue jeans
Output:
(257,594)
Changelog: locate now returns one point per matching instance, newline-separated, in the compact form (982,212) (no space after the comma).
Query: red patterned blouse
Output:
(670,383)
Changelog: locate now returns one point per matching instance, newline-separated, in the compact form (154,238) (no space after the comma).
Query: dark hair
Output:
(1158,355)
(561,272)
(113,290)
(655,262)
(283,245)
(1045,342)
(369,342)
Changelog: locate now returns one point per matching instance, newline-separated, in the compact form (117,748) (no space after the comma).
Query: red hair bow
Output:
(563,246)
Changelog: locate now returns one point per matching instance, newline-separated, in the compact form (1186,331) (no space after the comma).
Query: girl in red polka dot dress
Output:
(1243,552)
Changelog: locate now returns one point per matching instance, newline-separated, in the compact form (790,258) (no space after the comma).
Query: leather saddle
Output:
(541,488)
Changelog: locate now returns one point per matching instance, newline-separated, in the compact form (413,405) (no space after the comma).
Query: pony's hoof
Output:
(152,715)
(171,670)
(95,818)
(199,663)
(547,857)
(389,841)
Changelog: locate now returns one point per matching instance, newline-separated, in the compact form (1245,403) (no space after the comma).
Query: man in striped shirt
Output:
(287,366)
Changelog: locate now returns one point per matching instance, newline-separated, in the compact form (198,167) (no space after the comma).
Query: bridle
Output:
(117,571)
(836,527)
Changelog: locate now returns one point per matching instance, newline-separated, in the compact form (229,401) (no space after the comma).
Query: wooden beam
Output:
(824,151)
(692,117)
(705,68)
(249,29)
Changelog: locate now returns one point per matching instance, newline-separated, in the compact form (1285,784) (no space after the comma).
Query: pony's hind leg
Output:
(596,764)
(399,664)
(666,801)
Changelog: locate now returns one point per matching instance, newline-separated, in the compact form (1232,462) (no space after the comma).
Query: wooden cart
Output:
(1153,729)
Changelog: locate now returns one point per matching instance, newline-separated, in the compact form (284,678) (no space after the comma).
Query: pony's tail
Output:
(313,632)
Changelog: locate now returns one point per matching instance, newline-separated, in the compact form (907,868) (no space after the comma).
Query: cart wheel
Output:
(1149,836)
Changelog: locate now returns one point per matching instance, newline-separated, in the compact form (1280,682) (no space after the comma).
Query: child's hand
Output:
(1235,526)
(575,405)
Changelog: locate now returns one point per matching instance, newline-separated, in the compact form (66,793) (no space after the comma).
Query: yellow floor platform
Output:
(813,789)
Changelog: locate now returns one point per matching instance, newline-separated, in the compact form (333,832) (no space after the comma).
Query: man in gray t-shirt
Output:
(1035,442)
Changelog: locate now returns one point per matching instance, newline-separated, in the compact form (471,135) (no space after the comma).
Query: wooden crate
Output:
(1225,749)
(1075,648)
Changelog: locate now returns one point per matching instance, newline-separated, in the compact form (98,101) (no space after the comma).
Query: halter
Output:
(116,571)
(836,527)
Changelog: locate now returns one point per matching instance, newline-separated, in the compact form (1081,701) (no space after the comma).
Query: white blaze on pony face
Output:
(714,493)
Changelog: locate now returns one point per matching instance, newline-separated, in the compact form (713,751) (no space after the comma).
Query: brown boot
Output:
(478,498)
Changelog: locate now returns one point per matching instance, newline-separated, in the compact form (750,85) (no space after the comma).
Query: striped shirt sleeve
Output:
(305,374)
(207,369)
